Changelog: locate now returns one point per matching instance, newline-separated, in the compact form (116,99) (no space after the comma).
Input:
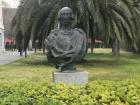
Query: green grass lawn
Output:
(100,67)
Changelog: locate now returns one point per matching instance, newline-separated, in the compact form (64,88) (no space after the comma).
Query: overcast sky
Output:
(13,3)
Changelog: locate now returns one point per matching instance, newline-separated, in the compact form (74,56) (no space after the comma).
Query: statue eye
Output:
(62,15)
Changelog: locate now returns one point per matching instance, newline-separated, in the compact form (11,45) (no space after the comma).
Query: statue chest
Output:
(65,42)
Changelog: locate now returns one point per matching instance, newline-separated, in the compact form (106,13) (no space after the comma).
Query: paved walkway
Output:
(10,56)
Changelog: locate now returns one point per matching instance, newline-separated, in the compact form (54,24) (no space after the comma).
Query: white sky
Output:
(13,3)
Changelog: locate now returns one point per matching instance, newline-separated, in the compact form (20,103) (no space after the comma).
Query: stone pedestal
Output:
(78,77)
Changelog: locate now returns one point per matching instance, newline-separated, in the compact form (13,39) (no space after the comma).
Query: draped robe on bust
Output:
(65,47)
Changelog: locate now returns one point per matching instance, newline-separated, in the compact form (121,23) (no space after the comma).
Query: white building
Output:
(10,3)
(2,47)
(5,4)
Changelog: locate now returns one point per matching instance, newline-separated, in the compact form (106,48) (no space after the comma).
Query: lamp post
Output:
(2,47)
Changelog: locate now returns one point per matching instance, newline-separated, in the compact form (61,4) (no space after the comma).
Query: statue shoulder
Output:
(54,31)
(80,31)
(53,34)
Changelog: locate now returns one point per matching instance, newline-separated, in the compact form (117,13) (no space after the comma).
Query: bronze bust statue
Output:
(66,45)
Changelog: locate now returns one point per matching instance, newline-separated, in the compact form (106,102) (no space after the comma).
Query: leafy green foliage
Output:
(112,81)
(109,18)
(24,94)
(100,67)
(94,93)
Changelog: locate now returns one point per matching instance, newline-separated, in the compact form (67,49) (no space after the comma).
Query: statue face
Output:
(66,16)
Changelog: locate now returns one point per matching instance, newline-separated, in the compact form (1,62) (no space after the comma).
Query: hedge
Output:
(93,93)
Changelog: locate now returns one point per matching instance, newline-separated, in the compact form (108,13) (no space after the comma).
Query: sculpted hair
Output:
(65,9)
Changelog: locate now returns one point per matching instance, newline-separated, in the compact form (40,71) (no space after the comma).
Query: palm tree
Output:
(113,20)
(133,7)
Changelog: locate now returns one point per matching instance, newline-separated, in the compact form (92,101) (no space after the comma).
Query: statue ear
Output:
(73,16)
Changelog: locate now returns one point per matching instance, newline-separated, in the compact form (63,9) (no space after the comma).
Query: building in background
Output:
(2,46)
(10,3)
(7,12)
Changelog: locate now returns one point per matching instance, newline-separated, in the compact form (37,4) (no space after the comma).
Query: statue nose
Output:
(65,16)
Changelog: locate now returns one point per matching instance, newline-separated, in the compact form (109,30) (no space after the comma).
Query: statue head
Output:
(65,16)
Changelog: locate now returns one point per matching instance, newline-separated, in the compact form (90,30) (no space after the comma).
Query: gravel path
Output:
(10,56)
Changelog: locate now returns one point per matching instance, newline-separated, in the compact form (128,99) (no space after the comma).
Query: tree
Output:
(111,19)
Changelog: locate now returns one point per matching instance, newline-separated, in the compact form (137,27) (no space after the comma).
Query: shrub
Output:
(94,93)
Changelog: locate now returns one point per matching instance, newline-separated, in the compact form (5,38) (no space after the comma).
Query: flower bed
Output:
(94,93)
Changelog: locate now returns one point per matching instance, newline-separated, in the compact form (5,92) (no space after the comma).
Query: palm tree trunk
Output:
(92,43)
(116,47)
(25,53)
(35,50)
(92,34)
(20,52)
(43,46)
(30,46)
